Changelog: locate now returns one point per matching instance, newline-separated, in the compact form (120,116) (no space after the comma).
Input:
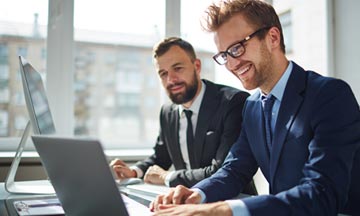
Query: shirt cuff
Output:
(202,194)
(168,177)
(139,172)
(238,207)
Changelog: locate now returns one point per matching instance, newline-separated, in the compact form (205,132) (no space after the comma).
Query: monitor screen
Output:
(36,101)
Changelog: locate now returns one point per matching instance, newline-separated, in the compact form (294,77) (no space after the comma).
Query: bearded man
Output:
(214,122)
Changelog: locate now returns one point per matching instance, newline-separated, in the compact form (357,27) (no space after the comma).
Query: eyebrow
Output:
(177,64)
(237,42)
(172,66)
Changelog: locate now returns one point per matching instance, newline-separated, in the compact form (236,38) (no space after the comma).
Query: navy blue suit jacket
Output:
(313,166)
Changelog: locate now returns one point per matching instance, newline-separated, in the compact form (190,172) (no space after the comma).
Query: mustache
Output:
(174,84)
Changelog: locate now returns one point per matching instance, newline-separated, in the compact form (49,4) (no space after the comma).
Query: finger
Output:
(119,175)
(151,206)
(147,180)
(156,202)
(162,207)
(156,167)
(179,194)
(167,199)
(194,198)
(120,171)
(114,162)
(120,162)
(148,175)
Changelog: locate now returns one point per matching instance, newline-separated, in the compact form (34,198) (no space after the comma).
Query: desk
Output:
(139,193)
(5,210)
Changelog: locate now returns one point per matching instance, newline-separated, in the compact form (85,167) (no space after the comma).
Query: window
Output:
(285,20)
(306,32)
(117,94)
(22,51)
(3,122)
(113,74)
(23,27)
(4,53)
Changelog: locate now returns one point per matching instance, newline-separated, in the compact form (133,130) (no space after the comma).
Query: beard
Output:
(265,67)
(188,94)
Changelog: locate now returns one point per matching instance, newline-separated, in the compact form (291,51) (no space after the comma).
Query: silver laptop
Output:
(81,177)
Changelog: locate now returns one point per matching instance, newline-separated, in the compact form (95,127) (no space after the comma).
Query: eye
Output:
(236,50)
(177,69)
(163,74)
(223,56)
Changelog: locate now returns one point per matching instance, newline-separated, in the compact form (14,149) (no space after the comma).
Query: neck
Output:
(277,71)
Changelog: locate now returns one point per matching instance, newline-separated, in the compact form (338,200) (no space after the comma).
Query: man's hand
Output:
(155,175)
(211,209)
(121,170)
(177,195)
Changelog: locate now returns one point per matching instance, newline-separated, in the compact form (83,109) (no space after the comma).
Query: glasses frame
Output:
(240,44)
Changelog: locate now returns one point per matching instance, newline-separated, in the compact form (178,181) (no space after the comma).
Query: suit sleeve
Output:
(231,126)
(161,155)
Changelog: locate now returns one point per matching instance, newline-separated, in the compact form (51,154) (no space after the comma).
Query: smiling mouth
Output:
(243,71)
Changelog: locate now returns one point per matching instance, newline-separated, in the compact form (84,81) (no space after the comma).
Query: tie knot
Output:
(268,102)
(188,114)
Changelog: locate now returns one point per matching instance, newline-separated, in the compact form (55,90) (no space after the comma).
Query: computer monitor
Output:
(36,101)
(41,122)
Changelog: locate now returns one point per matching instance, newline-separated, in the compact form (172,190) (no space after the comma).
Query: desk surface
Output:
(142,193)
(4,196)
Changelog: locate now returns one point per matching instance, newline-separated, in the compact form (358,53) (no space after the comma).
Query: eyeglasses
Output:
(235,50)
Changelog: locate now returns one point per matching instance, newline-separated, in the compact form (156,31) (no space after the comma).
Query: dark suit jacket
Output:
(313,166)
(218,126)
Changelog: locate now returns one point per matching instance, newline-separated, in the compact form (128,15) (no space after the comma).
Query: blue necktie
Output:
(268,103)
(189,134)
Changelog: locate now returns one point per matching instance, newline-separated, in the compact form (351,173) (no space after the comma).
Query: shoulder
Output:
(315,82)
(318,85)
(320,90)
(168,108)
(227,92)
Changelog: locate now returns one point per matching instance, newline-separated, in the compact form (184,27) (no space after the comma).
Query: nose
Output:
(171,78)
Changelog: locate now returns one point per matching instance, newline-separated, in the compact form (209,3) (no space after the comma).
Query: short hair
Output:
(163,46)
(258,14)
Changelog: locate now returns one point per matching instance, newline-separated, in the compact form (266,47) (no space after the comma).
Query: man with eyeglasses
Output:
(301,129)
(196,130)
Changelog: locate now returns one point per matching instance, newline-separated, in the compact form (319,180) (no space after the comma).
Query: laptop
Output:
(81,177)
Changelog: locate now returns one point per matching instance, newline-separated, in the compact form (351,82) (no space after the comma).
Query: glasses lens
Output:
(236,50)
(220,58)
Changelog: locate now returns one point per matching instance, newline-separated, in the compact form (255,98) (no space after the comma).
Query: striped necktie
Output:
(268,103)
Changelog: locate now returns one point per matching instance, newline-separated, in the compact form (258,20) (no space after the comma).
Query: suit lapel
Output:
(254,119)
(207,109)
(291,102)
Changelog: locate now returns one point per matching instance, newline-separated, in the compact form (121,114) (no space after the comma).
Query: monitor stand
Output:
(25,187)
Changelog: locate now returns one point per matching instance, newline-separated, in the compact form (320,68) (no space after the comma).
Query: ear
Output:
(197,64)
(273,38)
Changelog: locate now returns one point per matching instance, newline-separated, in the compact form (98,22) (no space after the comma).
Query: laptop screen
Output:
(79,171)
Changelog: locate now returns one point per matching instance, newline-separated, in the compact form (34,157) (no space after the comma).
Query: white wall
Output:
(346,43)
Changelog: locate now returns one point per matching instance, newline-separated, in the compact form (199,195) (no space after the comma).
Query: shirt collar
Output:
(195,106)
(279,88)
